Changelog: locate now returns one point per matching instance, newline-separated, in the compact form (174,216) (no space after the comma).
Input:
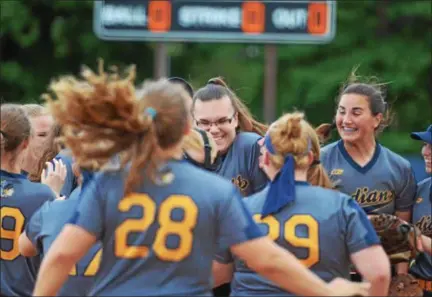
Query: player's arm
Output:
(377,271)
(64,253)
(285,270)
(404,215)
(26,247)
(222,273)
(403,267)
(223,268)
(363,245)
(27,242)
(426,243)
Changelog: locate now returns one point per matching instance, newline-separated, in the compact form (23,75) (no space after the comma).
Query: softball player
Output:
(172,256)
(422,269)
(380,180)
(42,230)
(324,229)
(217,110)
(20,198)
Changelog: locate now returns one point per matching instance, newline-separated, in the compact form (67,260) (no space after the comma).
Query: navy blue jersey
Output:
(70,181)
(422,219)
(241,164)
(44,227)
(20,198)
(322,228)
(385,185)
(161,239)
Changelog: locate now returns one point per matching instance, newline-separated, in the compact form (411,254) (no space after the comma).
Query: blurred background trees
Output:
(42,39)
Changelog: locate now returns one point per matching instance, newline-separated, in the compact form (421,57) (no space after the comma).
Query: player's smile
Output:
(347,129)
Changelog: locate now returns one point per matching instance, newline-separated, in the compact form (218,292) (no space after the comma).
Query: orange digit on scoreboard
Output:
(317,18)
(159,16)
(253,17)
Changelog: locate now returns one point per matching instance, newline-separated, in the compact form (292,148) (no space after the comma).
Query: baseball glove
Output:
(399,239)
(405,285)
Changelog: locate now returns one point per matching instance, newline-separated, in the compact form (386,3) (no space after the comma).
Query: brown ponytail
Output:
(292,134)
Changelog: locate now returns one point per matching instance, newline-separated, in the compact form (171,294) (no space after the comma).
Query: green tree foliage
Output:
(42,39)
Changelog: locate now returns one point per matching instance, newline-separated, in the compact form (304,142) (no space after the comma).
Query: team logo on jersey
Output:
(241,183)
(425,225)
(7,190)
(419,200)
(364,197)
(337,171)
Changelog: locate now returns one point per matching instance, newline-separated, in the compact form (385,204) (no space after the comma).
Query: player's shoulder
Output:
(424,184)
(256,199)
(245,140)
(325,196)
(38,190)
(329,148)
(394,158)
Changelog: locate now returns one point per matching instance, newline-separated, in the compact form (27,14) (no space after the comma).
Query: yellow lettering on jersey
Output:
(364,197)
(240,182)
(337,172)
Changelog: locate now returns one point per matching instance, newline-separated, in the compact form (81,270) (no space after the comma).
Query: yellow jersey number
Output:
(12,235)
(93,266)
(311,242)
(183,229)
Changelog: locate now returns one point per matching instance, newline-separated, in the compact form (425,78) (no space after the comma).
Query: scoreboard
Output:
(238,21)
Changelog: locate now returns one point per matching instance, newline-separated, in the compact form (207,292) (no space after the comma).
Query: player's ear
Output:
(25,143)
(236,120)
(377,120)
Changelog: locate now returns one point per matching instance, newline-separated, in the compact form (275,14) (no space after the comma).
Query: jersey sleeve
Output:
(33,229)
(359,232)
(89,214)
(405,196)
(258,178)
(224,256)
(235,223)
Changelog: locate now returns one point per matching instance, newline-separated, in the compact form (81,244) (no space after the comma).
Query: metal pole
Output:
(270,82)
(160,64)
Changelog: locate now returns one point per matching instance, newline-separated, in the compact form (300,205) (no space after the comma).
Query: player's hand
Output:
(343,287)
(54,176)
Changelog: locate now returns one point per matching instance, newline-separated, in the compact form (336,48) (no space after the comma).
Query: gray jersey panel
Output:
(385,185)
(241,164)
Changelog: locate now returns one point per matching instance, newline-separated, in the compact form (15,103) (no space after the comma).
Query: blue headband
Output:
(282,187)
